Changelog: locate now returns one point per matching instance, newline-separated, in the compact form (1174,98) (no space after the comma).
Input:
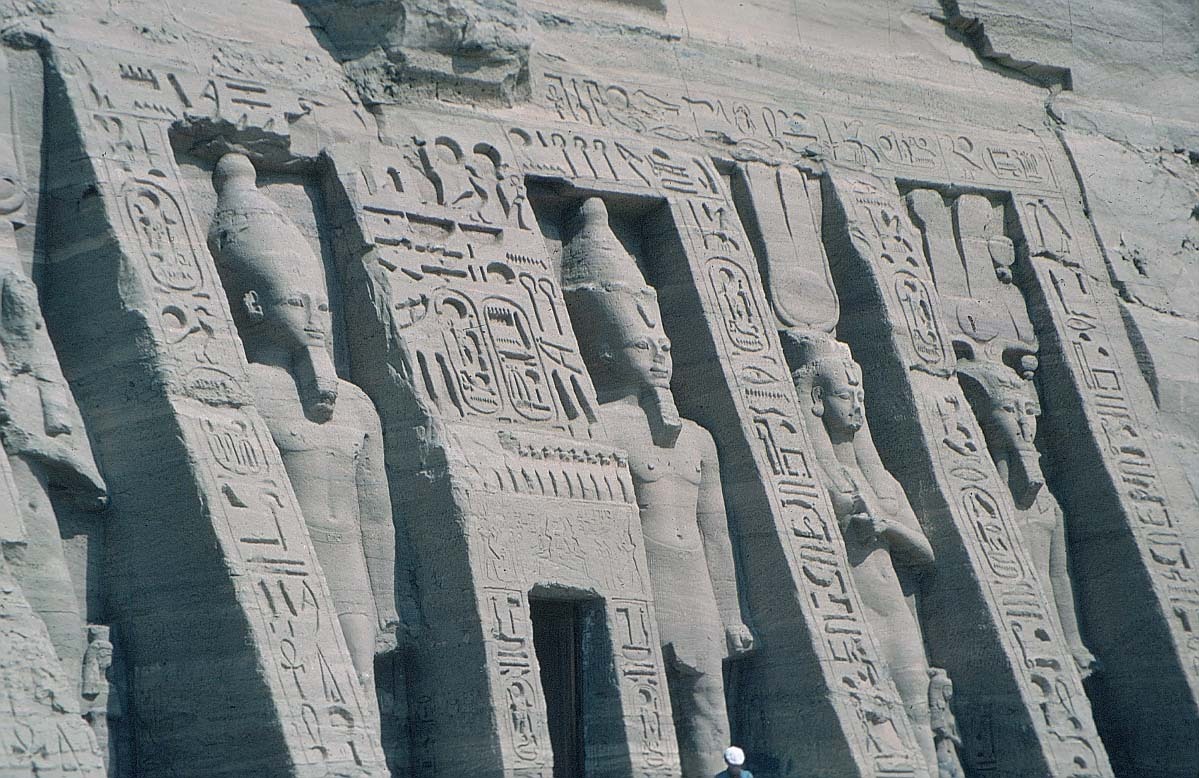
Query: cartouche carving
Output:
(327,430)
(881,531)
(676,479)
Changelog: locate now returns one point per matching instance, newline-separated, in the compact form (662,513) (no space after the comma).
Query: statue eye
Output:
(666,347)
(294,302)
(323,307)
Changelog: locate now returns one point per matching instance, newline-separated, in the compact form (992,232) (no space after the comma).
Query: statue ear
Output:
(817,401)
(253,306)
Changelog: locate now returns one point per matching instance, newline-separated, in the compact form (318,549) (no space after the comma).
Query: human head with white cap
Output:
(734,757)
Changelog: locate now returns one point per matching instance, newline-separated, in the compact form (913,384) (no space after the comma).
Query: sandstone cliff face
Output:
(543,388)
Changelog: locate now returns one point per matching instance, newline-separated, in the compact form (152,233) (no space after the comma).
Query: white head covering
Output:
(734,756)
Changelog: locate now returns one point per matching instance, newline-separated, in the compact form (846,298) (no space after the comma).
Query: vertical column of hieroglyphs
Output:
(1018,695)
(461,335)
(41,637)
(214,576)
(1134,537)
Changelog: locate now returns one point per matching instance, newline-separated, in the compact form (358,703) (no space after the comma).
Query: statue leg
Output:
(41,569)
(911,680)
(700,718)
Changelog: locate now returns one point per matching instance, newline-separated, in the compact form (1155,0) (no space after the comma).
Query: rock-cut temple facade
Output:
(578,388)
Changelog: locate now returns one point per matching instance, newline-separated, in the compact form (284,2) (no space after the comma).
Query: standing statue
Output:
(945,725)
(327,430)
(880,528)
(38,427)
(1007,409)
(676,478)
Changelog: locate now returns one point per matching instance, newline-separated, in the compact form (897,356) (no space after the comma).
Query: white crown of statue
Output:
(601,277)
(250,235)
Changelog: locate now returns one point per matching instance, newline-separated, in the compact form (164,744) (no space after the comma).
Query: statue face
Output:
(296,316)
(645,358)
(1016,416)
(843,399)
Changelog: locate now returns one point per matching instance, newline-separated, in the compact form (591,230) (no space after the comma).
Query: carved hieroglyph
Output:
(674,467)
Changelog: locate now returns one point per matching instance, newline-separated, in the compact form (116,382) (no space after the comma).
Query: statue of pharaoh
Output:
(327,430)
(676,477)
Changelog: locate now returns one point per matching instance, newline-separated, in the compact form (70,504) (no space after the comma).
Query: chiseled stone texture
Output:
(575,388)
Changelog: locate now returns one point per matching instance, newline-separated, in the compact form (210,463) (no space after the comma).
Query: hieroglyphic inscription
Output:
(509,639)
(771,130)
(979,504)
(638,667)
(1127,450)
(471,297)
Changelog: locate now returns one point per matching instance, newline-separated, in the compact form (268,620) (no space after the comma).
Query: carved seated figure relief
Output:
(880,528)
(326,429)
(676,477)
(1007,409)
(47,450)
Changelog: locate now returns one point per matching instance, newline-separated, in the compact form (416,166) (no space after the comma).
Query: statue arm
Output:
(718,548)
(378,526)
(906,538)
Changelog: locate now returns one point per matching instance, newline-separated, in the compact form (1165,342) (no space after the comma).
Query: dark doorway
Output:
(558,641)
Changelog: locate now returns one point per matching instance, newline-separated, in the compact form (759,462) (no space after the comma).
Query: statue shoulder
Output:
(696,436)
(357,402)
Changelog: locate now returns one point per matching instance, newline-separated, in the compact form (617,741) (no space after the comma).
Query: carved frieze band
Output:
(749,129)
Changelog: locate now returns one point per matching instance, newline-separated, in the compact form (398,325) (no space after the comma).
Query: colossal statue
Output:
(881,531)
(676,477)
(327,430)
(47,450)
(1007,408)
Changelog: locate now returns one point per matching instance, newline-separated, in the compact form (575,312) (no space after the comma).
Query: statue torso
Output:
(321,459)
(666,479)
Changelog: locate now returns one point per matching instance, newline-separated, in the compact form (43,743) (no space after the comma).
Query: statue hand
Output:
(739,639)
(869,526)
(1085,660)
(385,642)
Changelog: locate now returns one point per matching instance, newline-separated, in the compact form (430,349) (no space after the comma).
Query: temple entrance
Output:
(558,641)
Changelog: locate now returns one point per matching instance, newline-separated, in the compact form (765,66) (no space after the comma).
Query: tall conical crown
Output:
(609,300)
(251,238)
(601,280)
